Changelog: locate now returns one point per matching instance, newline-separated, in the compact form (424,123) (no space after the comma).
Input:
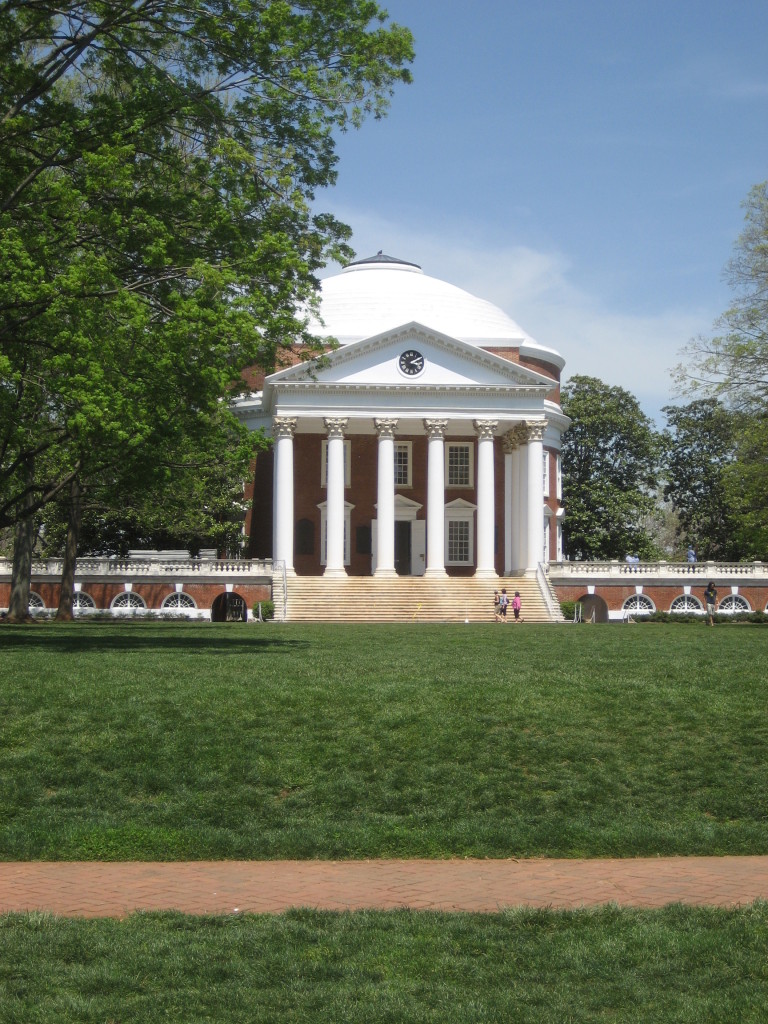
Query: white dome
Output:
(381,293)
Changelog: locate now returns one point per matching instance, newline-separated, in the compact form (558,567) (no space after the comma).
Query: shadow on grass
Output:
(136,636)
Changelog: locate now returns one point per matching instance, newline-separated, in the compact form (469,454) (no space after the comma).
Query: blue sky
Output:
(582,165)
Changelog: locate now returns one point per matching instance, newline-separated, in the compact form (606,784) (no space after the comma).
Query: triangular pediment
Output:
(411,356)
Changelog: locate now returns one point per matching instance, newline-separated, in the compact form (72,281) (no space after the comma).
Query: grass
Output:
(195,741)
(683,965)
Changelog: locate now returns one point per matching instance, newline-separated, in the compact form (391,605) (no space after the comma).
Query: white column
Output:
(334,545)
(486,498)
(510,489)
(385,506)
(283,429)
(535,494)
(435,497)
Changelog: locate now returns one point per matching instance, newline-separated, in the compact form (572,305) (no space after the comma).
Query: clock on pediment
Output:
(411,362)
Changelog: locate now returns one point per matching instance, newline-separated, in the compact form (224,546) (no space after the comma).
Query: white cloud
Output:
(635,352)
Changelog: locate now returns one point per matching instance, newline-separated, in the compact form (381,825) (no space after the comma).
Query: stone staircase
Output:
(406,599)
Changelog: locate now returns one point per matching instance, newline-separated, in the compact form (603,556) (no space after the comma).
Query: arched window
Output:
(178,602)
(82,602)
(732,604)
(128,602)
(638,604)
(686,603)
(36,603)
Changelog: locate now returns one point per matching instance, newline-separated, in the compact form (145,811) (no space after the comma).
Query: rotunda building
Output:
(426,443)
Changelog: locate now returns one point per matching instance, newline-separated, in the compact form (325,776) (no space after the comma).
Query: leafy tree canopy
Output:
(158,167)
(699,446)
(733,364)
(610,459)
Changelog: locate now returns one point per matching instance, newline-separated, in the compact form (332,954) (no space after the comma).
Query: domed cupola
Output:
(380,293)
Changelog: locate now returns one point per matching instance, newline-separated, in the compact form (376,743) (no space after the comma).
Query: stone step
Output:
(405,599)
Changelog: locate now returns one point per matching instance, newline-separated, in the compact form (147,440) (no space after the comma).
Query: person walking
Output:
(516,606)
(503,605)
(710,599)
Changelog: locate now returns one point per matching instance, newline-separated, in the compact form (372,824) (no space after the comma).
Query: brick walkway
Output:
(226,887)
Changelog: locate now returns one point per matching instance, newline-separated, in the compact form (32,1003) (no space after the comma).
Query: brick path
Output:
(225,887)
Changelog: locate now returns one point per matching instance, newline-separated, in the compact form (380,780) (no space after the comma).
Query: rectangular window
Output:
(545,470)
(458,541)
(347,464)
(459,465)
(559,477)
(403,464)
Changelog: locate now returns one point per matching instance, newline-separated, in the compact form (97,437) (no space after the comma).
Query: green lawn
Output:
(191,741)
(689,966)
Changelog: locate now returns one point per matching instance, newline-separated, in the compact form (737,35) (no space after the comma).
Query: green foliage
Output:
(746,487)
(568,608)
(610,459)
(688,965)
(267,609)
(732,366)
(153,740)
(159,165)
(699,448)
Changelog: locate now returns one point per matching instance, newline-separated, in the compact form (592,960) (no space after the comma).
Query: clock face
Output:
(411,362)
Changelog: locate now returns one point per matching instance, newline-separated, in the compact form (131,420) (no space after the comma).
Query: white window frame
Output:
(545,471)
(128,602)
(734,604)
(407,447)
(469,446)
(179,601)
(347,463)
(460,511)
(558,477)
(323,506)
(686,604)
(638,604)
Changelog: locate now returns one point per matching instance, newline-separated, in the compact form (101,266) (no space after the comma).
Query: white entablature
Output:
(366,379)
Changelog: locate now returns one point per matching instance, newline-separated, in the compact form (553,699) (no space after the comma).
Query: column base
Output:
(388,574)
(335,573)
(439,574)
(486,574)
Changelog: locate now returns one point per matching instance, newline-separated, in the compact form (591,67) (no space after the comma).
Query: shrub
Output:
(568,608)
(267,610)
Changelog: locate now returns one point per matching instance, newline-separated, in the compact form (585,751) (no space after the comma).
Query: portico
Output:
(412,451)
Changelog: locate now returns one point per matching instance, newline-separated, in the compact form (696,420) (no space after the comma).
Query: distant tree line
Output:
(701,482)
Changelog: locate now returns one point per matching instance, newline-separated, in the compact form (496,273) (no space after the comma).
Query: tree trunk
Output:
(66,592)
(21,574)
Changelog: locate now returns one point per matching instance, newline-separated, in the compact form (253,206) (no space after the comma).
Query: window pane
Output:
(401,465)
(458,465)
(458,540)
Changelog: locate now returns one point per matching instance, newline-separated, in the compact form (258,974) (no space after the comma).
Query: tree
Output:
(733,365)
(699,447)
(610,458)
(159,164)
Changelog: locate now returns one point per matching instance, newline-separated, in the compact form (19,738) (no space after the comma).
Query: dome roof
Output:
(381,293)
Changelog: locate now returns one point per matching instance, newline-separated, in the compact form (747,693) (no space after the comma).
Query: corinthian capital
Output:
(284,426)
(485,429)
(535,429)
(335,426)
(385,427)
(435,428)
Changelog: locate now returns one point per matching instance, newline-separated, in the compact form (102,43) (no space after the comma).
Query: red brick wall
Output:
(662,596)
(104,592)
